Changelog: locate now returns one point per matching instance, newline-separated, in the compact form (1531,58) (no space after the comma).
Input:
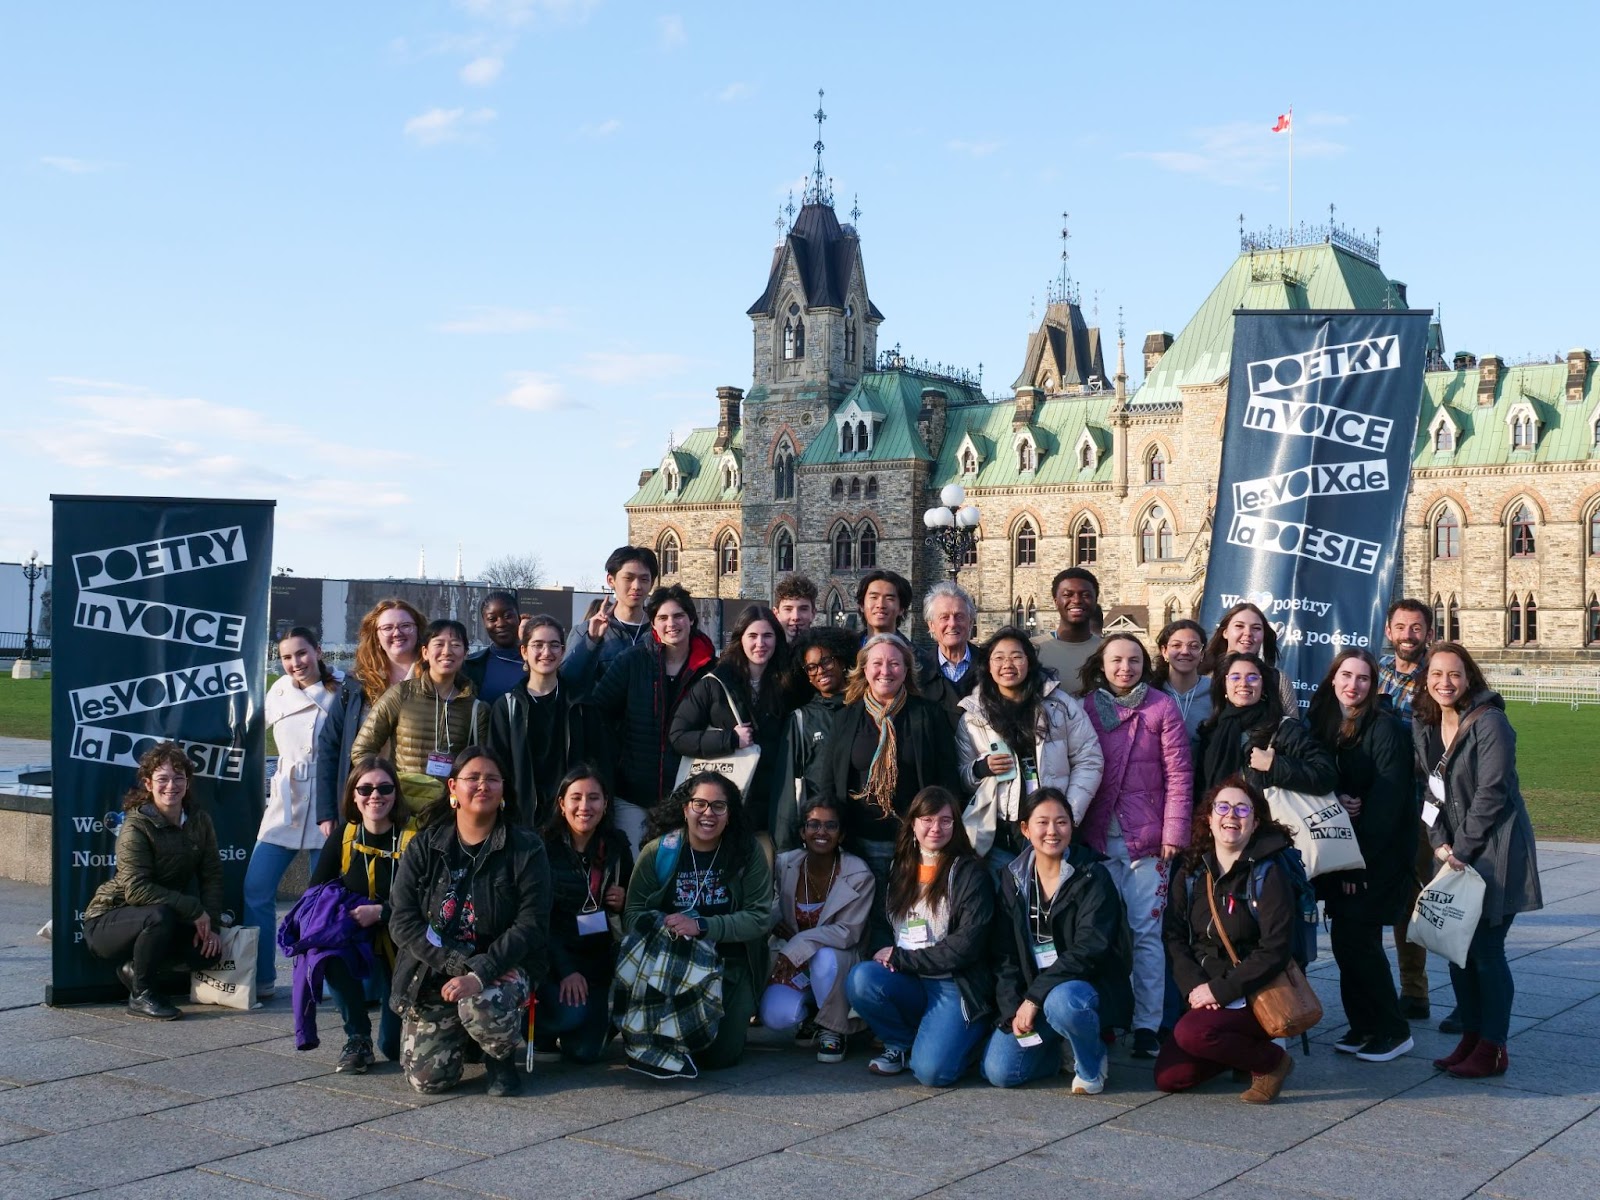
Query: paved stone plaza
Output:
(221,1105)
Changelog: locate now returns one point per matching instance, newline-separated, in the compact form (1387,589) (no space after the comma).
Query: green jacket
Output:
(411,715)
(158,863)
(750,893)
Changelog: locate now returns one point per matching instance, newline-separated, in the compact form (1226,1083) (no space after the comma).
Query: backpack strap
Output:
(667,851)
(349,840)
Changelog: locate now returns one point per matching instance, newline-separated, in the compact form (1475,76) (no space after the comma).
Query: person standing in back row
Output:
(619,624)
(1076,593)
(497,668)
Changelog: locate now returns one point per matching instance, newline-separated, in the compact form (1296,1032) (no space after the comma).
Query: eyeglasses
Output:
(541,646)
(366,789)
(945,822)
(1223,809)
(821,665)
(488,781)
(391,630)
(716,808)
(1244,678)
(821,827)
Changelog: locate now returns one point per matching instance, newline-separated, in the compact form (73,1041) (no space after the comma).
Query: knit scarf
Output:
(1106,702)
(883,773)
(1226,747)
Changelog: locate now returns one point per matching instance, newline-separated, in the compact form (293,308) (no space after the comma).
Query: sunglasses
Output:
(366,789)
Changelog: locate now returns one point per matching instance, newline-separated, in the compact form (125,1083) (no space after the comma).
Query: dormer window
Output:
(730,474)
(671,479)
(1444,437)
(1086,452)
(862,443)
(1524,427)
(847,439)
(969,462)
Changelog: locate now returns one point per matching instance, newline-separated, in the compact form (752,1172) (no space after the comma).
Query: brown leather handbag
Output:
(1286,1007)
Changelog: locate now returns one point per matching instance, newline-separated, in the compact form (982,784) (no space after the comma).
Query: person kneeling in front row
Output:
(470,918)
(1063,951)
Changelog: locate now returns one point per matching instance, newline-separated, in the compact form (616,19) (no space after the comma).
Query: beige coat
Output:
(841,926)
(295,715)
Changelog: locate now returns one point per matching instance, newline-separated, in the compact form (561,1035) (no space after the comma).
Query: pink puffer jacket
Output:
(1148,777)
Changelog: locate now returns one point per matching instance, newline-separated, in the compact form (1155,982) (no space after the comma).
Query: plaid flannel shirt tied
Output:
(668,995)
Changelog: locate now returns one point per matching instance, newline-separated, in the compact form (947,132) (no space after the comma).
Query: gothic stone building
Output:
(827,463)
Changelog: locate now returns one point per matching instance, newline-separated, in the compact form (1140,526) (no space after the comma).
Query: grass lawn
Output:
(1554,758)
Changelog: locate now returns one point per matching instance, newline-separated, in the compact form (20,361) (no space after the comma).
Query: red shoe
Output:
(1467,1044)
(1487,1058)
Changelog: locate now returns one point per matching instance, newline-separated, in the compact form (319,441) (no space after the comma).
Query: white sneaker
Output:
(1094,1086)
(891,1062)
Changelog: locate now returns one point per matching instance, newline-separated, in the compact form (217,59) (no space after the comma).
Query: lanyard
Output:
(1039,910)
(373,853)
(700,876)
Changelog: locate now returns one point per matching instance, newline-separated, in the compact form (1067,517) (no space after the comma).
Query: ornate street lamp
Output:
(31,570)
(953,527)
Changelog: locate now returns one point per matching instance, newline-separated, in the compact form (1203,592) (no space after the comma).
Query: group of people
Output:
(983,855)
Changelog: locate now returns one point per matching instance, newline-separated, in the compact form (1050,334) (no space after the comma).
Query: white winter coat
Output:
(1068,757)
(295,716)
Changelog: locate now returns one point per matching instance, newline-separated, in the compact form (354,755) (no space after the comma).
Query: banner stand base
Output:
(89,993)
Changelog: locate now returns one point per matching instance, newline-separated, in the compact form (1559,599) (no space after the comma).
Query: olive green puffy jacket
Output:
(158,863)
(411,715)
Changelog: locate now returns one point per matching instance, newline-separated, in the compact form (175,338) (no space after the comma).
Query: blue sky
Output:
(431,272)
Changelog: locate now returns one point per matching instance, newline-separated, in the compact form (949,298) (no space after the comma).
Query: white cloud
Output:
(483,71)
(602,129)
(488,318)
(537,391)
(516,13)
(670,31)
(736,90)
(975,149)
(73,166)
(1242,153)
(621,368)
(439,125)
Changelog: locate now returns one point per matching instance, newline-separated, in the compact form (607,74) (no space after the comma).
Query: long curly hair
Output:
(372,663)
(163,754)
(669,815)
(1201,840)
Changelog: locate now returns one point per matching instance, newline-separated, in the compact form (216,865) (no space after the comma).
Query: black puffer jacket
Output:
(509,738)
(1263,941)
(1090,926)
(963,953)
(511,904)
(1377,768)
(703,727)
(631,697)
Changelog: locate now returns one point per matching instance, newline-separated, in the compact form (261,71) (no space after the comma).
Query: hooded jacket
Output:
(1483,818)
(318,929)
(587,660)
(632,696)
(1377,768)
(1263,942)
(1089,927)
(1148,781)
(1067,754)
(412,716)
(158,863)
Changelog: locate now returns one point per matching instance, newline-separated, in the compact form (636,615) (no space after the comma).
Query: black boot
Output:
(149,1004)
(503,1075)
(125,973)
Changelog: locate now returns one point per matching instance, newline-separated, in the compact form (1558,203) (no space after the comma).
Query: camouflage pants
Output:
(433,1034)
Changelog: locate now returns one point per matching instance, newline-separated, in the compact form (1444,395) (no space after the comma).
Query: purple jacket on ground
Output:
(318,929)
(1148,779)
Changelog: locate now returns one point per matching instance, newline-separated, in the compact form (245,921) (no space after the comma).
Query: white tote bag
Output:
(1322,830)
(1447,913)
(232,982)
(740,766)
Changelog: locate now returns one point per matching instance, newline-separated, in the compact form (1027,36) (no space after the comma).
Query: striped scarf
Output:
(884,771)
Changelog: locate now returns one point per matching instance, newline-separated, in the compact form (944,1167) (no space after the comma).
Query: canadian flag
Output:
(1284,120)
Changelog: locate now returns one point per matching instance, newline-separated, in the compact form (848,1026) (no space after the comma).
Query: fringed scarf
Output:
(883,773)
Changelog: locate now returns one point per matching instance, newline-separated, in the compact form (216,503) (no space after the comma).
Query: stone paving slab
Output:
(337,1165)
(119,1151)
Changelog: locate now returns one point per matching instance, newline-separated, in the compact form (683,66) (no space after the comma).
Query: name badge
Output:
(800,981)
(1044,953)
(1430,813)
(914,934)
(1436,787)
(1030,1039)
(592,922)
(439,765)
(1239,1003)
(1030,776)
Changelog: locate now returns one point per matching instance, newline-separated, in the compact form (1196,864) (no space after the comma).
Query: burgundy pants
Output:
(1208,1041)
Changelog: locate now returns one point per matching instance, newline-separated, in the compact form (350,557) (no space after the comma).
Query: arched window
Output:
(969,556)
(1438,616)
(1530,620)
(1594,532)
(1444,438)
(849,338)
(969,461)
(847,438)
(1522,539)
(1085,456)
(1447,536)
(730,477)
(1156,467)
(836,610)
(1017,615)
(672,480)
(667,554)
(1453,620)
(790,342)
(1024,456)
(843,550)
(783,551)
(1155,536)
(867,548)
(1085,544)
(872,487)
(783,472)
(837,490)
(861,435)
(1592,625)
(1030,616)
(1523,432)
(728,555)
(1513,622)
(1170,612)
(1027,545)
(855,488)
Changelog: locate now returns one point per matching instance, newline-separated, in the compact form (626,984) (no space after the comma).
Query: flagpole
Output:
(1291,171)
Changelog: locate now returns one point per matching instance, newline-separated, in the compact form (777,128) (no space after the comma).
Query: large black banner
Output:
(160,632)
(1316,463)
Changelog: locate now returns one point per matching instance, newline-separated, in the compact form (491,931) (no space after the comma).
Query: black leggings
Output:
(156,935)
(1366,984)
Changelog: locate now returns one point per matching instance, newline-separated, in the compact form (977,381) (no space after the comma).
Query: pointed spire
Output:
(1065,274)
(821,189)
(855,210)
(422,562)
(460,577)
(1122,359)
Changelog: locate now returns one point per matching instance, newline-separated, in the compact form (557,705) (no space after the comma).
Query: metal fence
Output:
(1572,690)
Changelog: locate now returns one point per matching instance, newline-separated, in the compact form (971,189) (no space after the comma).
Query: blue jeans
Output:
(1484,987)
(921,1015)
(879,857)
(350,995)
(261,879)
(582,1028)
(1071,1011)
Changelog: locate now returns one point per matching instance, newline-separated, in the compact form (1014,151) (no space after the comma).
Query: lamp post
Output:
(31,570)
(952,527)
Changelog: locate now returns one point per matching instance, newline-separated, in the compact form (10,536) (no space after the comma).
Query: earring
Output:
(502,803)
(454,803)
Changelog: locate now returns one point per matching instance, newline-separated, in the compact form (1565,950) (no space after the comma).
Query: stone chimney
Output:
(1464,360)
(930,421)
(1155,345)
(1027,407)
(646,474)
(1489,368)
(728,399)
(1577,374)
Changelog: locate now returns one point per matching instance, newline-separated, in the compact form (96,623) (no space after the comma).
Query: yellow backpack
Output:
(372,853)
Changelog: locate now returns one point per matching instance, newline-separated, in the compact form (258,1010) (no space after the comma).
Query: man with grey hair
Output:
(949,673)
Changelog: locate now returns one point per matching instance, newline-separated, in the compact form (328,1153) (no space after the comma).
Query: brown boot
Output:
(1467,1044)
(1264,1089)
(1487,1058)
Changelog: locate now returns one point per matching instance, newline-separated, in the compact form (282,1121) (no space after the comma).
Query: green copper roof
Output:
(1319,276)
(701,472)
(1057,427)
(1484,436)
(897,397)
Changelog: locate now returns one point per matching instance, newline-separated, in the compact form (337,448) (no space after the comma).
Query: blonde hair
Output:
(856,686)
